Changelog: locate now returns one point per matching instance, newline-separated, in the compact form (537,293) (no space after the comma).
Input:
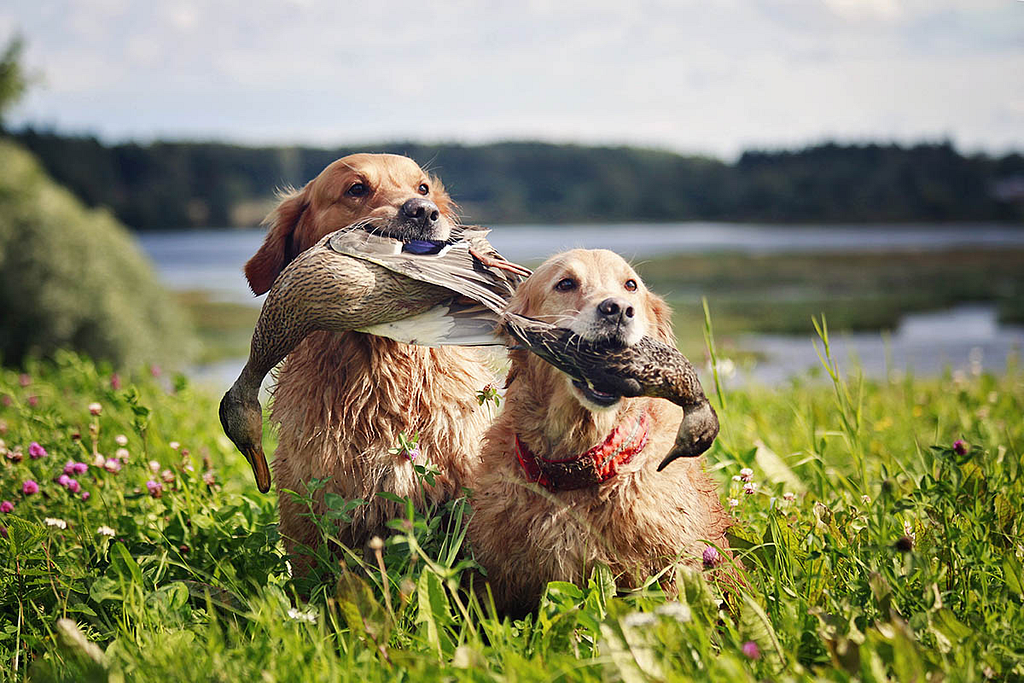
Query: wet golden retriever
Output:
(343,399)
(568,475)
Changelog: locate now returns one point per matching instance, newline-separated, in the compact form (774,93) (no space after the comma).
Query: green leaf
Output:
(1013,575)
(124,564)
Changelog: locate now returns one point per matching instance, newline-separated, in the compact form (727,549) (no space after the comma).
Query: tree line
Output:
(164,185)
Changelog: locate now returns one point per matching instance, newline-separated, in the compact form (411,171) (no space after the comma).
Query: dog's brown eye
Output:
(423,188)
(565,284)
(357,190)
(630,285)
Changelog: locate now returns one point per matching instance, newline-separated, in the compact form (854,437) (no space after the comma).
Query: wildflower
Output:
(307,616)
(63,480)
(167,476)
(959,447)
(154,465)
(121,440)
(155,488)
(112,465)
(15,455)
(189,468)
(74,486)
(737,477)
(412,454)
(155,370)
(121,453)
(95,408)
(6,506)
(174,445)
(376,543)
(85,496)
(53,521)
(106,531)
(69,467)
(208,478)
(747,474)
(866,500)
(789,496)
(115,381)
(711,557)
(33,401)
(749,488)
(751,650)
(733,502)
(675,610)
(29,487)
(99,460)
(35,451)
(639,619)
(24,380)
(80,468)
(908,529)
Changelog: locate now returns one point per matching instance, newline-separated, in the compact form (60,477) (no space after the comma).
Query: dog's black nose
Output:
(420,212)
(615,309)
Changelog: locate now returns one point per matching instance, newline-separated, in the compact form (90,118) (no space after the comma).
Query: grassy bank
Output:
(896,555)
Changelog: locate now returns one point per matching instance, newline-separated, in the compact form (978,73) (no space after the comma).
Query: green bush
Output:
(72,277)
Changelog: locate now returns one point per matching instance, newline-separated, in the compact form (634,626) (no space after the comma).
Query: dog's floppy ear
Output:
(661,319)
(279,246)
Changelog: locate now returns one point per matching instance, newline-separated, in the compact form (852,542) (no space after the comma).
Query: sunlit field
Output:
(878,525)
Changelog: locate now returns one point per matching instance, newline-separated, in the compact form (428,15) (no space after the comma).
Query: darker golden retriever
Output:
(343,399)
(568,475)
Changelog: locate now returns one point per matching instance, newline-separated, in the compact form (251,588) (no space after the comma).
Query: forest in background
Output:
(169,185)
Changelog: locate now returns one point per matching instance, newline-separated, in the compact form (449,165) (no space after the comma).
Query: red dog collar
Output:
(599,464)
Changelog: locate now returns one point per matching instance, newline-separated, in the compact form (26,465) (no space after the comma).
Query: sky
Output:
(703,76)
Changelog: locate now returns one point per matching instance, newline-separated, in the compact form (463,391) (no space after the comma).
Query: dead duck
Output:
(431,293)
(647,368)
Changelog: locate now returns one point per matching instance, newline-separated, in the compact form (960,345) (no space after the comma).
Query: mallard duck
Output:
(647,368)
(416,291)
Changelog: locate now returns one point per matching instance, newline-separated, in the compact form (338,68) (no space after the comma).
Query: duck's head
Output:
(597,296)
(241,415)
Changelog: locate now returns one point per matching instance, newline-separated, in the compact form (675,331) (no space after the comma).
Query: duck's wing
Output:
(469,266)
(456,322)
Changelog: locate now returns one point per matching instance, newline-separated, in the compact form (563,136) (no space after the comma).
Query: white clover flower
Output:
(747,474)
(99,460)
(122,453)
(95,408)
(174,445)
(733,502)
(737,477)
(749,488)
(639,620)
(154,465)
(121,440)
(675,610)
(53,521)
(865,499)
(106,531)
(908,529)
(307,616)
(789,496)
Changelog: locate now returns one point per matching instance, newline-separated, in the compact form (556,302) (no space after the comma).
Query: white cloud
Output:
(688,75)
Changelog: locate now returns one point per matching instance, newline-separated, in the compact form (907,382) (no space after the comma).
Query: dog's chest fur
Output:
(343,399)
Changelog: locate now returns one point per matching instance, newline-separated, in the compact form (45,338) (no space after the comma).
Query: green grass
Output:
(921,580)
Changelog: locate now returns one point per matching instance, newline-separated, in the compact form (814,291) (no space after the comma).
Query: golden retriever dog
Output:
(343,399)
(568,475)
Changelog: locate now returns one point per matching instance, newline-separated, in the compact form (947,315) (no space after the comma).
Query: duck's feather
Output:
(455,267)
(456,322)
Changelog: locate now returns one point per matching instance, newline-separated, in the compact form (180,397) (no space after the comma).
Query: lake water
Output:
(965,338)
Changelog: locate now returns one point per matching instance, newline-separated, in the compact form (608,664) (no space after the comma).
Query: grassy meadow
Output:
(881,541)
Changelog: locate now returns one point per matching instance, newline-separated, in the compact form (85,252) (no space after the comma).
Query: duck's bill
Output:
(259,467)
